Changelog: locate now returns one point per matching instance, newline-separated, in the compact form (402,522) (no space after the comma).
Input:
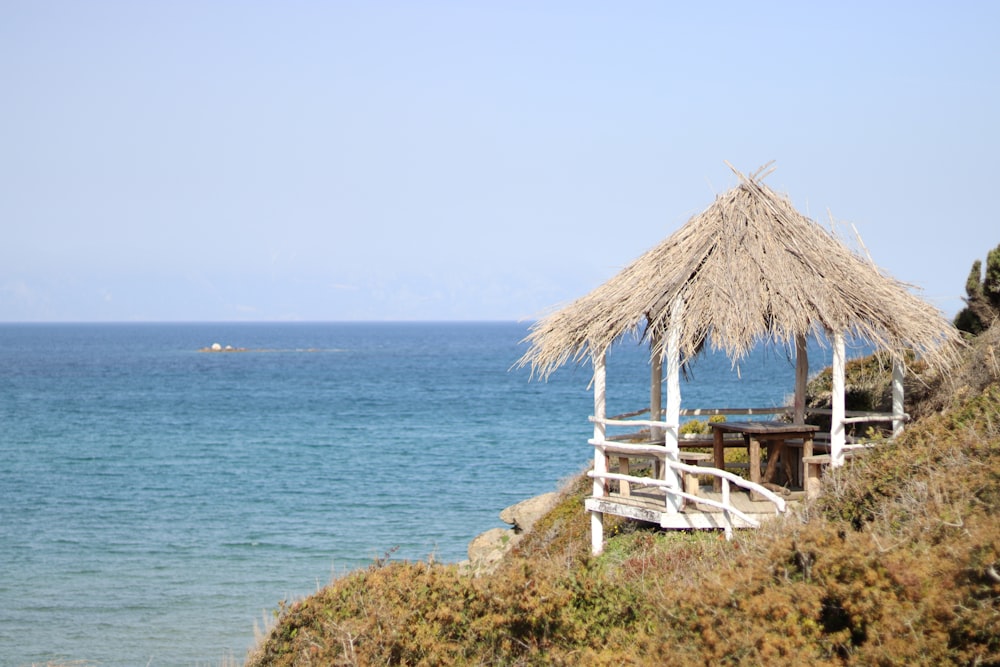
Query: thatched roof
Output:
(749,268)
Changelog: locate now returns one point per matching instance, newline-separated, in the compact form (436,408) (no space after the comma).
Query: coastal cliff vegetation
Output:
(982,295)
(897,563)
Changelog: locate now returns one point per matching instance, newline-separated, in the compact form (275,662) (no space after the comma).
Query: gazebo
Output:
(748,269)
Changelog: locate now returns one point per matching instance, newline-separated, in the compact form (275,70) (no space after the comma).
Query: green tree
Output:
(982,301)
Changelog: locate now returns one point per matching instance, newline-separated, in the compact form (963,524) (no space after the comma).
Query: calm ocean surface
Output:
(156,502)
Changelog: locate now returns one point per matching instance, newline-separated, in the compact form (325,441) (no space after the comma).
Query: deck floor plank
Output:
(646,503)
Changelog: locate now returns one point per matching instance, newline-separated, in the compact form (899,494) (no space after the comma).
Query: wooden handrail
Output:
(777,500)
(631,422)
(677,492)
(877,417)
(851,416)
(625,448)
(660,452)
(697,412)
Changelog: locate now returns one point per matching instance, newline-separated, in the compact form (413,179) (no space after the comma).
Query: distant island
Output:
(217,347)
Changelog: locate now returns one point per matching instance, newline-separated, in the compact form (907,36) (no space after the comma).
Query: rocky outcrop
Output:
(487,549)
(523,515)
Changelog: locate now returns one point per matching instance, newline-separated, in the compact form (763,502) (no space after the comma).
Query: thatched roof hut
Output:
(749,268)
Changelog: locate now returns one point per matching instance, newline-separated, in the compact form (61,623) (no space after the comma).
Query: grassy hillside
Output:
(898,563)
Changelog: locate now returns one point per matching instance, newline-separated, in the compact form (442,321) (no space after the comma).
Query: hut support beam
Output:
(656,385)
(801,378)
(837,399)
(898,368)
(673,415)
(600,458)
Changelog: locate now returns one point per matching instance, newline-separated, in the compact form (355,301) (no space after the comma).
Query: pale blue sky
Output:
(466,160)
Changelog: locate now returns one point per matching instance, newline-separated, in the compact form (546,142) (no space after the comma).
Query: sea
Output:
(158,502)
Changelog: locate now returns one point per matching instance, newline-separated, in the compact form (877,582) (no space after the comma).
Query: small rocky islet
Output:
(218,347)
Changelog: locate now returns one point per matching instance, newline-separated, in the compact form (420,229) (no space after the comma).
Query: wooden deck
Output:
(649,504)
(647,473)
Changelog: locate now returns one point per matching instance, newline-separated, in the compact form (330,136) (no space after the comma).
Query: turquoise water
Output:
(156,502)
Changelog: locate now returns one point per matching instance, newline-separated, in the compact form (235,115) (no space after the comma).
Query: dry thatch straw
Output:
(749,268)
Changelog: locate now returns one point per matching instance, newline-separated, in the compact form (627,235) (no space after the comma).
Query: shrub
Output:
(982,301)
(693,427)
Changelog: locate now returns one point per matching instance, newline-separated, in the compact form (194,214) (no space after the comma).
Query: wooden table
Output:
(774,434)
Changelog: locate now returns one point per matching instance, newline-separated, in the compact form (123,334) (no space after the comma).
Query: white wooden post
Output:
(801,378)
(837,437)
(600,459)
(898,368)
(655,386)
(726,515)
(673,413)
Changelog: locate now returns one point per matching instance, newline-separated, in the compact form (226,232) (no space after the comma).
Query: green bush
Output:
(693,427)
(698,427)
(982,300)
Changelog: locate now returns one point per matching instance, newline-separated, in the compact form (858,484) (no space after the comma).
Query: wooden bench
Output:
(814,469)
(795,450)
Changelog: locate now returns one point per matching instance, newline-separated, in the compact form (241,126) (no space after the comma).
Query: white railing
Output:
(672,485)
(671,488)
(850,417)
(856,416)
(615,421)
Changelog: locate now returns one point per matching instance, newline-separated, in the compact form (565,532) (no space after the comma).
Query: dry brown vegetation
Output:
(896,564)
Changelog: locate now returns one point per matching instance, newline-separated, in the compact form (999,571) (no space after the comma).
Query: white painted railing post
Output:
(837,399)
(600,458)
(725,513)
(898,368)
(673,412)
